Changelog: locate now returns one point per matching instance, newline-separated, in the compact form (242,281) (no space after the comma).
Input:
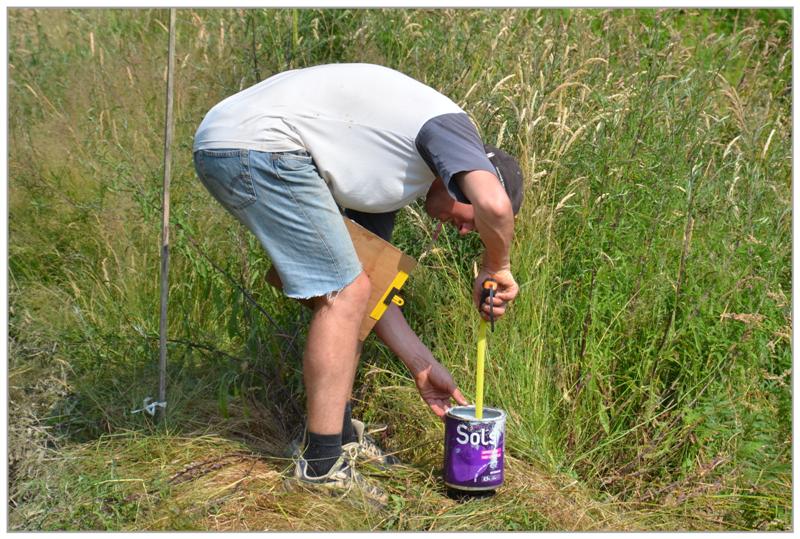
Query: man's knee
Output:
(356,294)
(361,287)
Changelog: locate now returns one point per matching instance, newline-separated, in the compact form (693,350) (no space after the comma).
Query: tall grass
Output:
(646,362)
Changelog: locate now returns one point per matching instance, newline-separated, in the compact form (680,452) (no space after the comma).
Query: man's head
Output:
(440,205)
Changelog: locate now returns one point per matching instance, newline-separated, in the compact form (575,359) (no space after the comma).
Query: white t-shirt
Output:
(362,125)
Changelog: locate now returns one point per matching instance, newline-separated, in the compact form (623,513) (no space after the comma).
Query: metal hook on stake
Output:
(149,406)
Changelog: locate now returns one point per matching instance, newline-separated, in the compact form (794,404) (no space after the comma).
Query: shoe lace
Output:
(352,479)
(371,448)
(350,452)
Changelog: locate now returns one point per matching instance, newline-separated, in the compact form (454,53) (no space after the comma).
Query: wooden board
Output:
(381,261)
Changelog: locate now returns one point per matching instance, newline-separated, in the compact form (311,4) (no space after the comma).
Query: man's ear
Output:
(431,195)
(437,185)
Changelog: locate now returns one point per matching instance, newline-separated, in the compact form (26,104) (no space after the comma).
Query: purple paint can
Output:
(473,449)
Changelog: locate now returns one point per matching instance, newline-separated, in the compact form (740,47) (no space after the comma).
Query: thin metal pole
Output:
(162,380)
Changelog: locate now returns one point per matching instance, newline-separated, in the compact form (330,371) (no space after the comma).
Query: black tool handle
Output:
(488,289)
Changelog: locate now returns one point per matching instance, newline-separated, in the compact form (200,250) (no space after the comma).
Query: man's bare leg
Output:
(331,355)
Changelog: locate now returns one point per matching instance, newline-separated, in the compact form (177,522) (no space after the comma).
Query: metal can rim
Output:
(451,413)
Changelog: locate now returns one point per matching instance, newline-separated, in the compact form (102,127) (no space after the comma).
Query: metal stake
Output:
(162,381)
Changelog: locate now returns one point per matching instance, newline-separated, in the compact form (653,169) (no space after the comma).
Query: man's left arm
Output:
(434,383)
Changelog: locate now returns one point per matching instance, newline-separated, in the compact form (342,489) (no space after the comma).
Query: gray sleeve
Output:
(450,144)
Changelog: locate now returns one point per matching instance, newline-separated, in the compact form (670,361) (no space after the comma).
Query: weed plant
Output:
(645,367)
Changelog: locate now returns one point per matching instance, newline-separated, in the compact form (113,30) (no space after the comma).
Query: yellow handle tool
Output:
(489,288)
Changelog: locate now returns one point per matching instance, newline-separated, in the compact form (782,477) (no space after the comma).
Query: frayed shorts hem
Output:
(329,293)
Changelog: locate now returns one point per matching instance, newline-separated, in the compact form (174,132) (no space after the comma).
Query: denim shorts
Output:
(281,198)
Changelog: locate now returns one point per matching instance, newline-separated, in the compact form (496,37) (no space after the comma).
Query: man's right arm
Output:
(494,220)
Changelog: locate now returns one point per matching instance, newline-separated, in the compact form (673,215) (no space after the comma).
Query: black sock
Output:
(321,452)
(348,432)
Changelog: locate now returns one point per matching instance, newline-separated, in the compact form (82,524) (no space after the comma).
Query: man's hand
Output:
(507,290)
(436,387)
(434,383)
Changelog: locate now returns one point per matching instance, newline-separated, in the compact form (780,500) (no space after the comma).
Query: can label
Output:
(473,454)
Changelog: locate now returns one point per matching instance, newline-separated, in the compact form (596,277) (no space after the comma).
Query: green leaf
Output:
(603,415)
(233,319)
(222,399)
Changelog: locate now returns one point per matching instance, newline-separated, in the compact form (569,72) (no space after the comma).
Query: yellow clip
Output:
(390,296)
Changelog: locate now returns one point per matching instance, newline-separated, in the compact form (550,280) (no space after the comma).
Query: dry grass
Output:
(215,483)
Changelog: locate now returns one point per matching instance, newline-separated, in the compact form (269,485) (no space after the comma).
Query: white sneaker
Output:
(341,480)
(364,450)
